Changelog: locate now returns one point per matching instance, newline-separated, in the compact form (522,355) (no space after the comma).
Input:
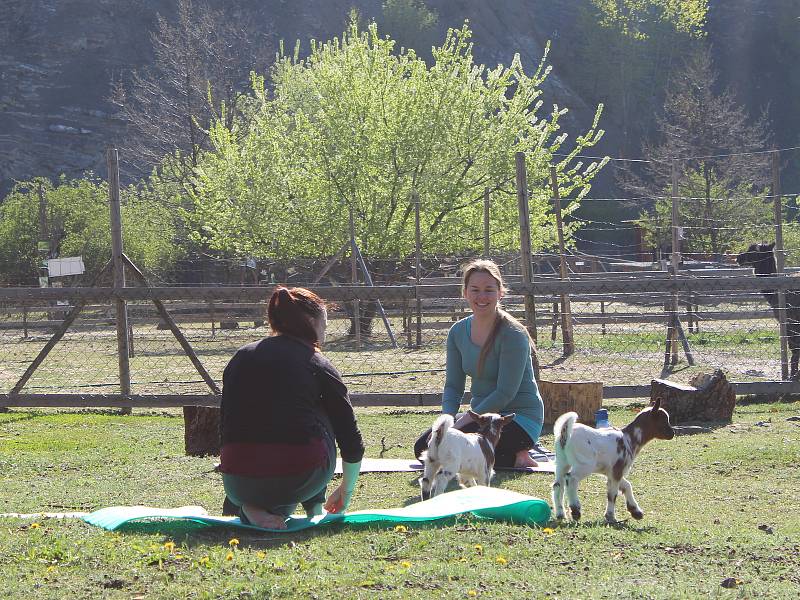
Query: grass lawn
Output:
(718,505)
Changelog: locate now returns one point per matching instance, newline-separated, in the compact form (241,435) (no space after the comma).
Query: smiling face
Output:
(483,293)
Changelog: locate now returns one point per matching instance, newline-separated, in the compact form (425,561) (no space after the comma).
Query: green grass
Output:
(706,499)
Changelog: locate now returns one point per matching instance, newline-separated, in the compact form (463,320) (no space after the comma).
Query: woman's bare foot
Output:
(523,459)
(261,518)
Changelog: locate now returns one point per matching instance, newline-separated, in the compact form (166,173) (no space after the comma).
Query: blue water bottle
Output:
(601,419)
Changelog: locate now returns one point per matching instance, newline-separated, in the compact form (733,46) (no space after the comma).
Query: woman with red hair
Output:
(284,409)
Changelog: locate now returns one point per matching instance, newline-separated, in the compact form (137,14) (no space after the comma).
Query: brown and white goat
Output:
(467,456)
(581,451)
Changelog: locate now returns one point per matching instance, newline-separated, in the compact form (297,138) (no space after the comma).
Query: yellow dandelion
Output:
(405,564)
(35,525)
(478,548)
(400,529)
(233,542)
(229,556)
(472,593)
(178,556)
(203,561)
(501,560)
(51,569)
(548,531)
(169,546)
(261,555)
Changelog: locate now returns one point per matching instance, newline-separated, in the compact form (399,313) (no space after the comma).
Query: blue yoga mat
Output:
(482,502)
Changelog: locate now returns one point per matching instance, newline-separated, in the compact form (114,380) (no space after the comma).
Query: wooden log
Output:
(201,430)
(708,397)
(583,397)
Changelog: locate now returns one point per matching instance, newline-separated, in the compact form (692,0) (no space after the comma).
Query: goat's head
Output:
(654,423)
(759,256)
(491,424)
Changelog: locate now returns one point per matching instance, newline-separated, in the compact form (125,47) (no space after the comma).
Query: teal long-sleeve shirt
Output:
(506,384)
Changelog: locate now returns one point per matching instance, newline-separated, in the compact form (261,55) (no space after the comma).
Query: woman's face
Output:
(320,325)
(482,293)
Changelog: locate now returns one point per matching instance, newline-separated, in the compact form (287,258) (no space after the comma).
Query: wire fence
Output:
(669,314)
(620,321)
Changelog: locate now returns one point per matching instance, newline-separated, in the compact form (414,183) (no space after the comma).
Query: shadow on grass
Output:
(623,525)
(196,534)
(767,399)
(15,417)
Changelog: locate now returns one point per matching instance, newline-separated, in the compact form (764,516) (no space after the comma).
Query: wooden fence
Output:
(407,300)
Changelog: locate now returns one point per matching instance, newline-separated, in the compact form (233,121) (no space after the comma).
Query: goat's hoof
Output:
(635,511)
(576,513)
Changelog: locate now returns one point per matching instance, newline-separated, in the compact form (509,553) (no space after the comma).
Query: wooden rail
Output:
(742,388)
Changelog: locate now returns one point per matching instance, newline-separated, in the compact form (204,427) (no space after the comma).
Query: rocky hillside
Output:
(59,57)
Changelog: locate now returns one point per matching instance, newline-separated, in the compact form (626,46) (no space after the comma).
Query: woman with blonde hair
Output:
(494,349)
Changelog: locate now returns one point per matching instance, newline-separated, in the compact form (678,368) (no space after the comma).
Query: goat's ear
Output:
(508,418)
(657,404)
(473,414)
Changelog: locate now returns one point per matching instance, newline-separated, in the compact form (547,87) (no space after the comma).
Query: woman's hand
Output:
(338,500)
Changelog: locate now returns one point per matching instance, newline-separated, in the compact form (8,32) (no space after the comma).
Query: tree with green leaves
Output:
(722,186)
(358,127)
(621,53)
(78,224)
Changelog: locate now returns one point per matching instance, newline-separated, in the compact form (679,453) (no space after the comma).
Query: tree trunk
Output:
(201,430)
(709,397)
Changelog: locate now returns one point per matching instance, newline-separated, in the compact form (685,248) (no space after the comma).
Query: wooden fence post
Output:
(354,280)
(525,251)
(567,337)
(780,260)
(486,204)
(674,328)
(123,346)
(418,263)
(675,260)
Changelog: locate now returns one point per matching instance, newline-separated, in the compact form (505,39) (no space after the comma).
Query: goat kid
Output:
(467,456)
(581,451)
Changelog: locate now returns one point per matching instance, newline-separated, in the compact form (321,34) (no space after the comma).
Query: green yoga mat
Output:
(482,502)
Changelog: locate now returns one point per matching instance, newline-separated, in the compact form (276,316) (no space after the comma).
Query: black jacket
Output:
(282,390)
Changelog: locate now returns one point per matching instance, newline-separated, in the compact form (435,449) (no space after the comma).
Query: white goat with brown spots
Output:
(467,456)
(581,451)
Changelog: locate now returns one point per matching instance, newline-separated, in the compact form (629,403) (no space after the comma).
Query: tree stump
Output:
(201,430)
(708,397)
(583,397)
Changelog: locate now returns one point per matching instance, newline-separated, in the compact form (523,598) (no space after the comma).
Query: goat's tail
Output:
(438,431)
(562,430)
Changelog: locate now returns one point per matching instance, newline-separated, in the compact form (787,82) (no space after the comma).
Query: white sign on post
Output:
(60,267)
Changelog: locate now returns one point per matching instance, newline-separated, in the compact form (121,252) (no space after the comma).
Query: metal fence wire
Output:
(626,331)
